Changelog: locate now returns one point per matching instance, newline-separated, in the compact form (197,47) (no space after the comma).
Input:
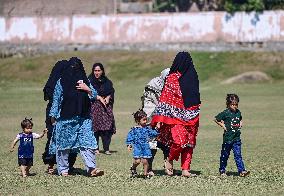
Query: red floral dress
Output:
(179,124)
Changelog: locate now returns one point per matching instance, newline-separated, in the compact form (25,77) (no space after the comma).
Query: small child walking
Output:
(26,147)
(231,121)
(138,139)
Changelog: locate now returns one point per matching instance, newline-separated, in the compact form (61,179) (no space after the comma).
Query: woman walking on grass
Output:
(56,73)
(177,113)
(71,112)
(102,113)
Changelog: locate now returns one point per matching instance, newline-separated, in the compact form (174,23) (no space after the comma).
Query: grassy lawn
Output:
(262,135)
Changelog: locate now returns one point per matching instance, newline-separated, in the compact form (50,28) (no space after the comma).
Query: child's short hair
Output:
(231,98)
(139,115)
(27,123)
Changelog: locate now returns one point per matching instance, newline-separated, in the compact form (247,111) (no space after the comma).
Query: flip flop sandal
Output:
(96,172)
(64,174)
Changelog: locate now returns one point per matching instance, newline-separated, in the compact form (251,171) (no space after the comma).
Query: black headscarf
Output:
(189,83)
(103,85)
(75,102)
(55,74)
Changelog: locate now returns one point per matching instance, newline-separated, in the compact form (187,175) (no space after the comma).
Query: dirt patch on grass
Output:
(248,77)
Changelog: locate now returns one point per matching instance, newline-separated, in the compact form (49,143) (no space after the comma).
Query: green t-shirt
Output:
(232,122)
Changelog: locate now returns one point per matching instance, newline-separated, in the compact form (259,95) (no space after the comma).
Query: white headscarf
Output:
(158,82)
(152,92)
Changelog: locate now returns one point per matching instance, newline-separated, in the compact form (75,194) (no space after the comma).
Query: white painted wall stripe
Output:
(146,28)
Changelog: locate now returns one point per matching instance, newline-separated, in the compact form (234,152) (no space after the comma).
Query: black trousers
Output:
(165,149)
(106,138)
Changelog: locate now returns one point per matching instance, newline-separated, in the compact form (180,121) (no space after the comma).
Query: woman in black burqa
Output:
(56,73)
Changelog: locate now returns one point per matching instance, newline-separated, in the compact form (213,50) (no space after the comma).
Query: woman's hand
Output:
(82,86)
(101,99)
(107,100)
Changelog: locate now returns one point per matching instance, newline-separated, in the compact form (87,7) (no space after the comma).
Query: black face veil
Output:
(189,83)
(75,102)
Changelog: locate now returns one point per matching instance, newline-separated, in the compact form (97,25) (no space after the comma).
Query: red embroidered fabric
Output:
(180,124)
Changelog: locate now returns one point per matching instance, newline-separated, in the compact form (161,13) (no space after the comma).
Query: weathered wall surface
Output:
(19,8)
(208,27)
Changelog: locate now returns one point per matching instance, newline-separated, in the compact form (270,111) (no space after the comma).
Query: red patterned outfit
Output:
(179,124)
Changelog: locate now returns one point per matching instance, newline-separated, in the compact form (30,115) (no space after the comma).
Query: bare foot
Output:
(64,174)
(96,172)
(186,173)
(169,167)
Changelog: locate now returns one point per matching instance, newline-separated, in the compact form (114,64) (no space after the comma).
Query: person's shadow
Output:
(72,172)
(111,151)
(78,171)
(32,174)
(161,172)
(232,173)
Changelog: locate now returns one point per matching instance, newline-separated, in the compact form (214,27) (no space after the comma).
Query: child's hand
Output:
(129,148)
(45,131)
(158,125)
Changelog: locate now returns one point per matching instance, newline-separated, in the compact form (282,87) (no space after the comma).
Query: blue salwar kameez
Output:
(72,134)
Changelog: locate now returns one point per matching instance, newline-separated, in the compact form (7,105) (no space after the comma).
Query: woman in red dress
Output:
(177,113)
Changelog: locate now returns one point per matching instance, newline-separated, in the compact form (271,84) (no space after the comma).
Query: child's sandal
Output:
(244,173)
(133,172)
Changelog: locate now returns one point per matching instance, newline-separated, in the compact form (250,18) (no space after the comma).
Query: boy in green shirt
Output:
(231,121)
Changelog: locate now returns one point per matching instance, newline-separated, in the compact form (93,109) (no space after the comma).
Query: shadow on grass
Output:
(232,173)
(32,174)
(72,172)
(176,172)
(78,171)
(103,152)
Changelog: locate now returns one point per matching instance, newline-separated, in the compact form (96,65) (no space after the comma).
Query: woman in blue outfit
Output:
(48,90)
(71,112)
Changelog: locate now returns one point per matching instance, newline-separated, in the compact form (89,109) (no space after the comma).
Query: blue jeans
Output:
(225,153)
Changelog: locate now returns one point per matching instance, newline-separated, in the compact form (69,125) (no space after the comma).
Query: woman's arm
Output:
(57,99)
(38,136)
(91,91)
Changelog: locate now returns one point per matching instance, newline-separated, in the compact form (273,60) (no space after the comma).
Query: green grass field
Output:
(262,135)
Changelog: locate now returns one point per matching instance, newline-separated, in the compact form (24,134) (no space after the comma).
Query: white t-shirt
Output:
(35,136)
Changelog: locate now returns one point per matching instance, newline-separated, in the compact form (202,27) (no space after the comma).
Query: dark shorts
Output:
(25,161)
